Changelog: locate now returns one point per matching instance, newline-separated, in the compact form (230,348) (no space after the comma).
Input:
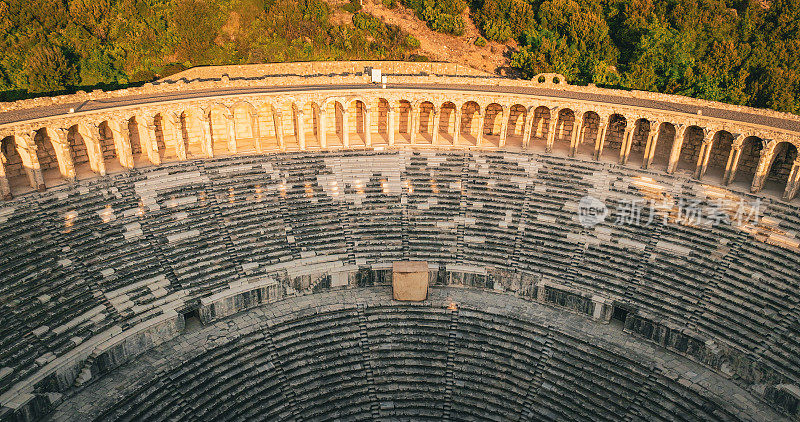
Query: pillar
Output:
(278,118)
(177,135)
(5,188)
(733,159)
(435,131)
(151,144)
(255,129)
(481,122)
(457,127)
(650,145)
(677,144)
(345,128)
(94,149)
(793,183)
(705,154)
(231,124)
(61,147)
(551,129)
(391,125)
(414,124)
(323,128)
(208,146)
(599,143)
(526,133)
(504,128)
(122,142)
(577,133)
(627,144)
(301,129)
(761,169)
(367,126)
(26,148)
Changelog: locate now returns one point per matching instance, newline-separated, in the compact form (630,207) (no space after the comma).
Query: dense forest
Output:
(736,51)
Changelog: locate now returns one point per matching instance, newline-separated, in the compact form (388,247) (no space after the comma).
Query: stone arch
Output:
(245,126)
(493,117)
(613,140)
(268,127)
(587,137)
(663,145)
(136,138)
(782,158)
(53,157)
(470,115)
(191,122)
(404,120)
(690,148)
(747,164)
(639,139)
(565,126)
(541,126)
(221,121)
(13,172)
(721,148)
(515,128)
(311,123)
(336,113)
(382,122)
(108,147)
(447,122)
(80,152)
(357,121)
(426,115)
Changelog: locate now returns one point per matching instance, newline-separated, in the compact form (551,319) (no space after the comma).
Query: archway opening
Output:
(426,116)
(165,139)
(663,146)
(16,174)
(493,124)
(588,134)
(690,149)
(267,127)
(516,126)
(245,123)
(447,123)
(403,123)
(721,148)
(470,113)
(79,154)
(565,125)
(540,128)
(781,165)
(221,141)
(53,171)
(641,133)
(108,147)
(748,162)
(137,142)
(382,123)
(615,134)
(358,124)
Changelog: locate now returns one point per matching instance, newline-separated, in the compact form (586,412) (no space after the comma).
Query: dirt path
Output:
(442,47)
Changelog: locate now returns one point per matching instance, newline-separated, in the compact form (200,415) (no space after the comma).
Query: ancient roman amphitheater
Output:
(227,244)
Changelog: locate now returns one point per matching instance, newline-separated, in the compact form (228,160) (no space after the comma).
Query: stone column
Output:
(345,128)
(650,145)
(599,143)
(761,170)
(278,118)
(5,188)
(26,148)
(435,131)
(526,132)
(94,149)
(627,144)
(61,147)
(733,159)
(207,146)
(151,143)
(177,135)
(481,122)
(255,129)
(414,124)
(677,144)
(551,129)
(577,133)
(457,127)
(301,129)
(231,124)
(705,154)
(122,143)
(392,125)
(504,129)
(367,126)
(323,128)
(793,183)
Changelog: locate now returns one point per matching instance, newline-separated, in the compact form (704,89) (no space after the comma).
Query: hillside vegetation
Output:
(736,51)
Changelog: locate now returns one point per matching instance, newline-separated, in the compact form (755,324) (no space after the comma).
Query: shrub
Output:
(480,42)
